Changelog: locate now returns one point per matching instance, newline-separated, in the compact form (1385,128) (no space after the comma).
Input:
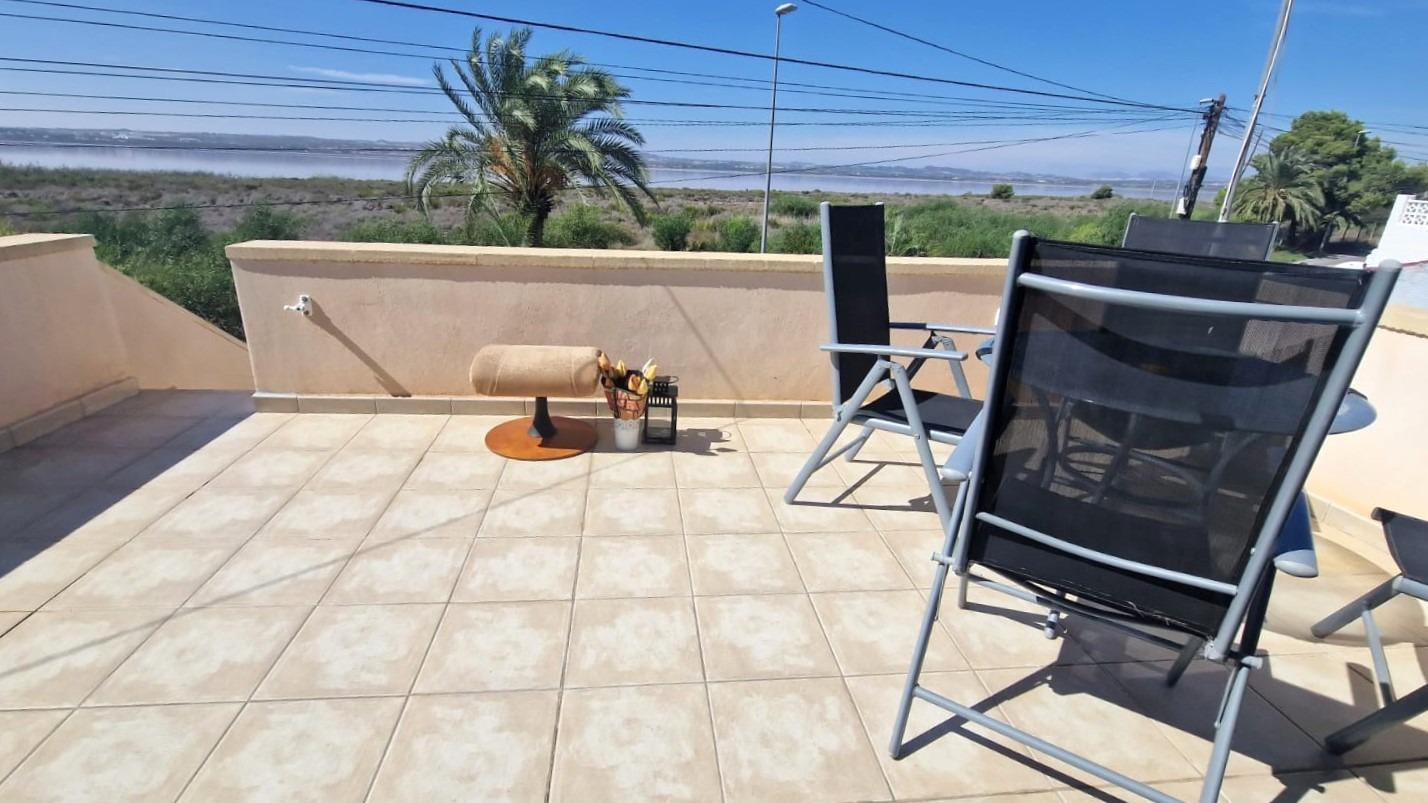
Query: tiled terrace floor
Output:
(204,604)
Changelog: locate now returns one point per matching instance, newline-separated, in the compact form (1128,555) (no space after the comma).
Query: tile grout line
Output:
(565,653)
(699,639)
(426,653)
(243,705)
(75,708)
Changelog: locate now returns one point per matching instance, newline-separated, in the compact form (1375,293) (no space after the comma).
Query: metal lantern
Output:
(662,410)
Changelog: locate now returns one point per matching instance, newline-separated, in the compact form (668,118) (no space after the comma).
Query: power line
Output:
(725,51)
(958,53)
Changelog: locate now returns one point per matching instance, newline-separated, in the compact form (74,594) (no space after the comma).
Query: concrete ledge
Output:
(266,402)
(414,405)
(577,258)
(275,402)
(1408,320)
(24,246)
(43,423)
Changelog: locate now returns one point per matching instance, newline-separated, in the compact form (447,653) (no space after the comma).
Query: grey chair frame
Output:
(1248,597)
(1394,710)
(940,345)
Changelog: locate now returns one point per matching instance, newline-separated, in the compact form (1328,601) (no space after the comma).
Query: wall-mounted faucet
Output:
(303,305)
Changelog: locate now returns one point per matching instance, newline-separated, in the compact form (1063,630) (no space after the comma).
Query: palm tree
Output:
(1281,189)
(532,130)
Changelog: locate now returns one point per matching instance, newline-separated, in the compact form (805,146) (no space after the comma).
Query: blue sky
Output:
(1363,57)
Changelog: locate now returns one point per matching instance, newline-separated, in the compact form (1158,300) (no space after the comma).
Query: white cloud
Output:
(371,77)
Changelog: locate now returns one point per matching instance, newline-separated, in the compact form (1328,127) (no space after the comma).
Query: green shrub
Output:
(1002,191)
(392,230)
(6,228)
(793,206)
(176,233)
(738,234)
(797,238)
(501,230)
(267,223)
(1102,193)
(582,227)
(671,232)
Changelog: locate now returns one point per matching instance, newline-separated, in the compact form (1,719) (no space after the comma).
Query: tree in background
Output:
(1282,189)
(1102,192)
(1003,192)
(533,129)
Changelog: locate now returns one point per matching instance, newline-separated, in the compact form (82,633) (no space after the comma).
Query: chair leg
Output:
(924,448)
(1355,734)
(840,422)
(1225,733)
(1182,661)
(1362,608)
(858,444)
(919,654)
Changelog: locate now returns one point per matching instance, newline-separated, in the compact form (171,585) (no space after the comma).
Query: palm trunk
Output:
(535,232)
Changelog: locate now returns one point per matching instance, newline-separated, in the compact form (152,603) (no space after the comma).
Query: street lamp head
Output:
(786,8)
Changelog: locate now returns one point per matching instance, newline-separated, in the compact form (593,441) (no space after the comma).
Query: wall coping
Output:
(577,258)
(1405,319)
(24,246)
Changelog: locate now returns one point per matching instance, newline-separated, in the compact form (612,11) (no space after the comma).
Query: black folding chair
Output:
(1192,577)
(856,285)
(1205,238)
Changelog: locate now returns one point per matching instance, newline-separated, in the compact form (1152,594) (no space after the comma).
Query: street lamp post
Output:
(786,8)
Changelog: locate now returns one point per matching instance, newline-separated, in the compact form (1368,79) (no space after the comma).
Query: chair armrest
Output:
(958,466)
(943,327)
(893,351)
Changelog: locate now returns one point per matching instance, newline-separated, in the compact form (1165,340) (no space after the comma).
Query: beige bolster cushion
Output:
(563,371)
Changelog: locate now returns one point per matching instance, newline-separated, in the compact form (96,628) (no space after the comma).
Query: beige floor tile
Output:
(997,631)
(518,513)
(466,433)
(570,474)
(872,632)
(20,731)
(1178,790)
(105,514)
(741,564)
(633,566)
(276,571)
(456,471)
(624,641)
(324,751)
(271,468)
(135,432)
(398,432)
(415,570)
(21,506)
(1336,787)
(709,435)
(914,550)
(1264,741)
(156,572)
(710,511)
(431,514)
(632,511)
(497,647)
(763,636)
(328,513)
(9,619)
(41,467)
(725,470)
(353,650)
(870,471)
(202,656)
(56,659)
(517,569)
(944,756)
(777,469)
(220,513)
(176,467)
(237,432)
(1324,692)
(644,743)
(1297,604)
(1057,703)
(818,510)
(776,435)
(356,469)
(846,562)
(120,754)
(316,431)
(32,572)
(632,470)
(792,740)
(1397,781)
(898,508)
(486,747)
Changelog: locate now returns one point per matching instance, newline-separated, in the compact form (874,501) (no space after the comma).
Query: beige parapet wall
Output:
(407,319)
(1386,464)
(70,326)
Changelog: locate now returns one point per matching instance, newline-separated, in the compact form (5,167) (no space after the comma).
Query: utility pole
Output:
(1279,31)
(785,8)
(1200,162)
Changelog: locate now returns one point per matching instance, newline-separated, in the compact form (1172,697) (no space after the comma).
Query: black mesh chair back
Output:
(1205,412)
(1205,238)
(855,281)
(1407,538)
